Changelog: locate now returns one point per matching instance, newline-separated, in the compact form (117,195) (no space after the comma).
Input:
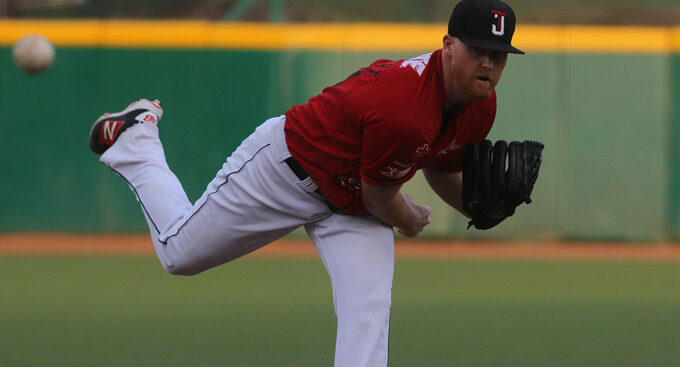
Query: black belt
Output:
(299,171)
(297,168)
(302,175)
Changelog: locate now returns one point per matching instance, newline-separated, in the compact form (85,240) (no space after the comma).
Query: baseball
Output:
(33,53)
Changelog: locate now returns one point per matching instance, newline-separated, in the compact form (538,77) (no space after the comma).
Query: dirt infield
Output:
(138,244)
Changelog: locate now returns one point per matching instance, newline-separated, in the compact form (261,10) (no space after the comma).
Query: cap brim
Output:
(491,45)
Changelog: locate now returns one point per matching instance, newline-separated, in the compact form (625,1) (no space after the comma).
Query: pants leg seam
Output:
(226,180)
(139,199)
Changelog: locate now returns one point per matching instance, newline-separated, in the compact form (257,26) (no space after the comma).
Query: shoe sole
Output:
(142,104)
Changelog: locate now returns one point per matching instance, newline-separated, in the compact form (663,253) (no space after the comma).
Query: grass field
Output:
(126,311)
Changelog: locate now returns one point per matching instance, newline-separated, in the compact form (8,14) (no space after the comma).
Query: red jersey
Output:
(380,125)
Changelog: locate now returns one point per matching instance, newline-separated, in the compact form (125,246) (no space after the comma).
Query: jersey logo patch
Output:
(348,182)
(452,147)
(401,170)
(417,63)
(422,151)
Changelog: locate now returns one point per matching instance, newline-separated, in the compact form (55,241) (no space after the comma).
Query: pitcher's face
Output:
(475,70)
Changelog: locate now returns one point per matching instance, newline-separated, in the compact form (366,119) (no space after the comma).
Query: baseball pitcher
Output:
(336,164)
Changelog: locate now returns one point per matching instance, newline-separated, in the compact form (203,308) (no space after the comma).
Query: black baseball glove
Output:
(497,178)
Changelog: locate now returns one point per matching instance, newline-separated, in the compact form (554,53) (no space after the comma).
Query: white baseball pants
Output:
(255,199)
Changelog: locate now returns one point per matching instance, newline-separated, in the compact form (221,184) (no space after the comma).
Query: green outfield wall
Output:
(674,149)
(609,118)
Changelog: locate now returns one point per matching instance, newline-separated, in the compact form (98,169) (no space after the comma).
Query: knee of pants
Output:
(183,264)
(366,308)
(179,268)
(186,271)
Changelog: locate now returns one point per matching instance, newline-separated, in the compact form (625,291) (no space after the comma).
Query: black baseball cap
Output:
(487,24)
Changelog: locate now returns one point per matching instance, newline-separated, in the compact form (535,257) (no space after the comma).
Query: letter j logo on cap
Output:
(498,29)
